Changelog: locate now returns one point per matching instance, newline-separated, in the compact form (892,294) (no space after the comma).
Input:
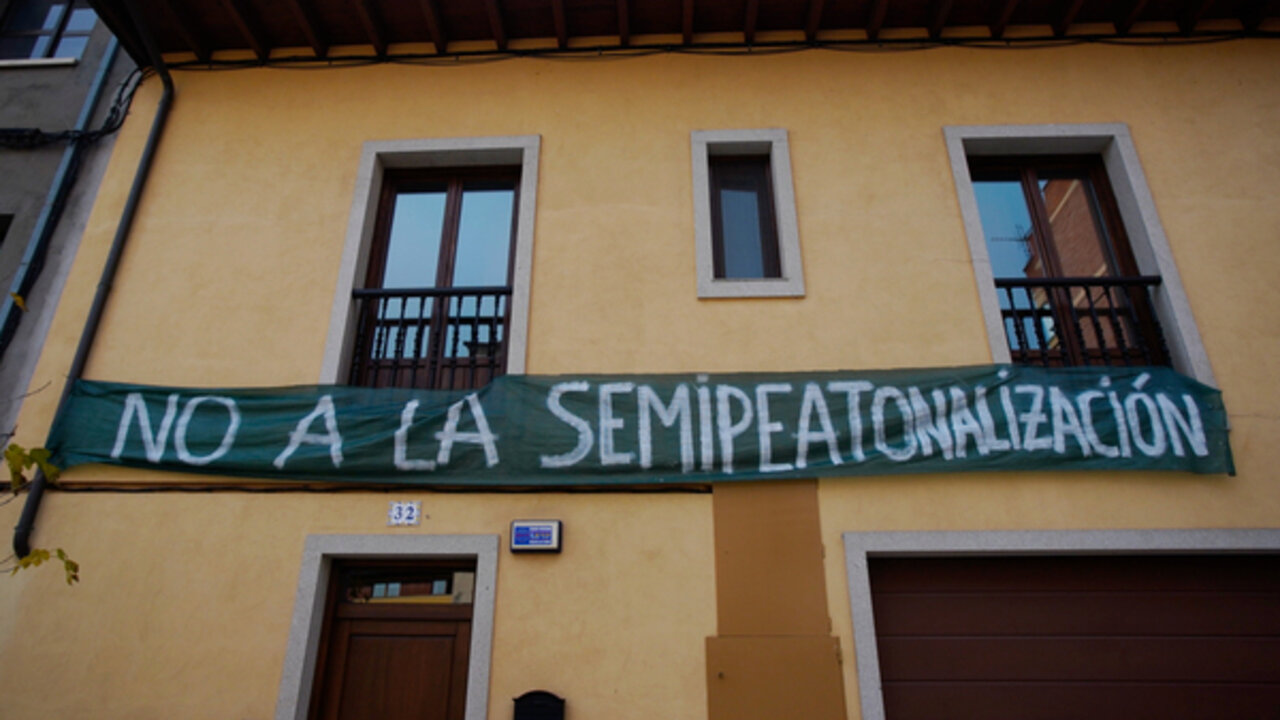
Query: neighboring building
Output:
(58,69)
(741,282)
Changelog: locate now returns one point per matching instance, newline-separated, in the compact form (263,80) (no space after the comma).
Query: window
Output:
(38,29)
(1069,289)
(433,291)
(744,214)
(433,312)
(744,234)
(1071,259)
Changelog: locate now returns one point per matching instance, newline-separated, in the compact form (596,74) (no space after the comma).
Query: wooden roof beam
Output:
(177,11)
(815,20)
(1001,21)
(1068,16)
(749,23)
(122,24)
(372,27)
(562,25)
(1126,21)
(686,21)
(495,23)
(434,25)
(249,27)
(1189,17)
(624,23)
(941,11)
(306,18)
(875,18)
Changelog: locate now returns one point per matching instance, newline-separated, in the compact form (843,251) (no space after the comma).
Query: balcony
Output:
(430,338)
(1075,321)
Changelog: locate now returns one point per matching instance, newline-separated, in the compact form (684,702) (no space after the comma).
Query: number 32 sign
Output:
(404,512)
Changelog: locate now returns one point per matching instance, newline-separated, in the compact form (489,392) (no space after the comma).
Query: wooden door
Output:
(393,658)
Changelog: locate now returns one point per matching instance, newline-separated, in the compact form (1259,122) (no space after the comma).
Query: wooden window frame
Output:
(1028,168)
(1118,254)
(438,365)
(401,181)
(723,169)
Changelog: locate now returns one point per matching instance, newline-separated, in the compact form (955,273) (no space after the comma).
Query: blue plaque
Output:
(535,536)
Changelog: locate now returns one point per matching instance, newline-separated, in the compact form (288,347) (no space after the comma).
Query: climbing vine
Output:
(21,463)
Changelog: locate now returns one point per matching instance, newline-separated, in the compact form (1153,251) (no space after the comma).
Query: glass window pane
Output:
(484,237)
(41,48)
(1078,237)
(53,16)
(19,48)
(746,240)
(82,20)
(24,16)
(442,586)
(740,223)
(413,250)
(71,47)
(1006,224)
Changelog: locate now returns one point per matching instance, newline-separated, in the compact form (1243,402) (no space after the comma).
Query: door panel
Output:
(396,644)
(396,670)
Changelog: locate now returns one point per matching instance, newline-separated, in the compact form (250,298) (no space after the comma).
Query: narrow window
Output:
(35,29)
(1069,289)
(744,230)
(434,311)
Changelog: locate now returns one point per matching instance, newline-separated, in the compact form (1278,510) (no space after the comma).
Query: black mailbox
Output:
(539,705)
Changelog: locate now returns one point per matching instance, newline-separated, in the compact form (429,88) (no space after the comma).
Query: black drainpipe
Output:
(26,523)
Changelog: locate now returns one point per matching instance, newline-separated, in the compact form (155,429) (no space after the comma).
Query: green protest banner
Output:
(652,429)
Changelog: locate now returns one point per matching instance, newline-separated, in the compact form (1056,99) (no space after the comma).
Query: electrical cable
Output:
(598,53)
(694,488)
(32,138)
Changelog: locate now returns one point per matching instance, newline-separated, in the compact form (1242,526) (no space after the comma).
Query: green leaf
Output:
(71,567)
(34,559)
(51,471)
(15,456)
(39,556)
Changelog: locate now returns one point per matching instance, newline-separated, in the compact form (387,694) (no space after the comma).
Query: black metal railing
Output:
(432,338)
(1082,321)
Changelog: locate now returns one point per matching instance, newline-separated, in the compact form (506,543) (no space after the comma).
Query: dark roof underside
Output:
(313,27)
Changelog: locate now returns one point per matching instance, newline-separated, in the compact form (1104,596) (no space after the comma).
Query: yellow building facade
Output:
(203,596)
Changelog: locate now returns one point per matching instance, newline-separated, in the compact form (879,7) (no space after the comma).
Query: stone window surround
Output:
(771,142)
(378,156)
(1113,143)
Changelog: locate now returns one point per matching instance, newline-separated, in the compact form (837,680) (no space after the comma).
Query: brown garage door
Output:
(1078,637)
